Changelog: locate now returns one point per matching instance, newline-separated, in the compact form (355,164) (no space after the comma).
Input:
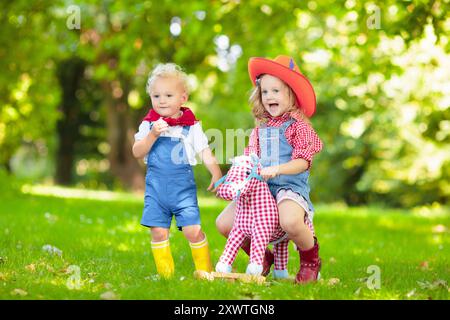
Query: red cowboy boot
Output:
(268,257)
(310,264)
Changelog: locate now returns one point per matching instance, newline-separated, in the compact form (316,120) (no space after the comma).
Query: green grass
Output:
(104,239)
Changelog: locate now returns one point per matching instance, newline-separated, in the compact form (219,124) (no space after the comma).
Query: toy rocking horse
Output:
(256,218)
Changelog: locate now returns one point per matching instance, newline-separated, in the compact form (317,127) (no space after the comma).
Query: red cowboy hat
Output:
(284,67)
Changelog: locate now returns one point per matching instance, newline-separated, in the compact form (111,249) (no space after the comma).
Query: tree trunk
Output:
(70,73)
(121,138)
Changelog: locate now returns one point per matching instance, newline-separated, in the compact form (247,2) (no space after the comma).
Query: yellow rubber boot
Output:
(200,255)
(163,258)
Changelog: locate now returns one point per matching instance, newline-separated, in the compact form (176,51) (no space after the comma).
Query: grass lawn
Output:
(105,252)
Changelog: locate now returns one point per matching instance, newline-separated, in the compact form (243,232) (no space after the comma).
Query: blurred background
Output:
(73,74)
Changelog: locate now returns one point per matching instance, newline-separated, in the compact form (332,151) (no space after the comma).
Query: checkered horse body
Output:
(256,215)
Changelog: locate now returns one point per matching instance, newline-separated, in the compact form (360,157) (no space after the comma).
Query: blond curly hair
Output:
(164,70)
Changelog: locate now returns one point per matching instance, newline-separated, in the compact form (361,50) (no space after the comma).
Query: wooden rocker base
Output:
(246,278)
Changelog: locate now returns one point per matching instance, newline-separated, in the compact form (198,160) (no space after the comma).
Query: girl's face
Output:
(275,95)
(168,95)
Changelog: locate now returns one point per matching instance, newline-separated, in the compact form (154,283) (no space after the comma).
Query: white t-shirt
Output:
(195,142)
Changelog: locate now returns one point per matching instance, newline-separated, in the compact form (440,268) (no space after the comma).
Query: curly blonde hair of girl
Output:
(262,116)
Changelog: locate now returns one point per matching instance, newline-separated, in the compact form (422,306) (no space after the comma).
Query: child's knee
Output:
(193,233)
(223,226)
(159,234)
(286,225)
(292,224)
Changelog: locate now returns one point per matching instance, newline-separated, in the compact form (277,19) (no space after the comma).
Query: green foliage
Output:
(9,185)
(381,85)
(385,131)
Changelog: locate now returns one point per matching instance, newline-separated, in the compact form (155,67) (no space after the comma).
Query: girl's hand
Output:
(159,126)
(270,172)
(214,179)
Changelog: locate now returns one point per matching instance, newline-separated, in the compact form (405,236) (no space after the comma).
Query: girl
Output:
(286,143)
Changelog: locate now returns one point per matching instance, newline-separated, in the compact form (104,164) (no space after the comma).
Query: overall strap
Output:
(286,125)
(185,131)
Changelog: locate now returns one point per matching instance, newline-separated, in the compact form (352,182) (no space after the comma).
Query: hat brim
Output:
(304,92)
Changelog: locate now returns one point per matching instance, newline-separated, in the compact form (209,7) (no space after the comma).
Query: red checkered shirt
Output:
(300,135)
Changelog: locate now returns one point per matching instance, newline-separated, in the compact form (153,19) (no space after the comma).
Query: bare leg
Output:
(292,220)
(193,233)
(159,234)
(224,221)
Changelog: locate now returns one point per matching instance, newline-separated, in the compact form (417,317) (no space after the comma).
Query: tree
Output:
(376,69)
(70,74)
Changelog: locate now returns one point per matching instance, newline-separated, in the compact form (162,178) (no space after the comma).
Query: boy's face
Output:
(275,95)
(168,95)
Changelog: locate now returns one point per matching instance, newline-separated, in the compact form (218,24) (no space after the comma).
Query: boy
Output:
(169,138)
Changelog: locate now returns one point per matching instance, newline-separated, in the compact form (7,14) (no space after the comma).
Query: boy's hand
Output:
(159,126)
(270,172)
(214,179)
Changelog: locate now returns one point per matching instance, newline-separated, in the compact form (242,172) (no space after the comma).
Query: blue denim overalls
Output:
(170,187)
(276,150)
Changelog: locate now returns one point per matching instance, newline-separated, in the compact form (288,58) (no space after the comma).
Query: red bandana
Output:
(186,119)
